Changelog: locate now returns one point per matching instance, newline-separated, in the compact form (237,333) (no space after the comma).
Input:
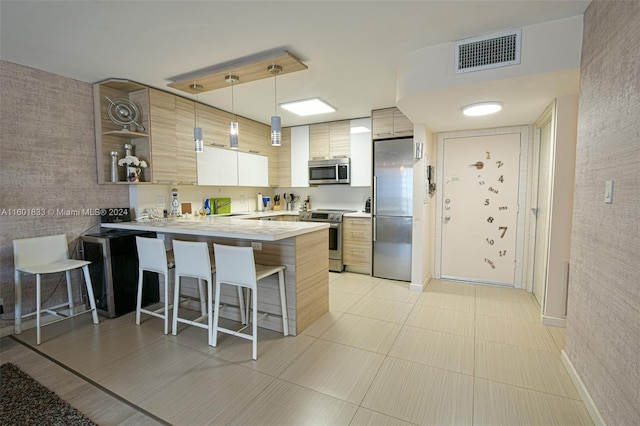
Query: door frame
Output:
(548,116)
(523,186)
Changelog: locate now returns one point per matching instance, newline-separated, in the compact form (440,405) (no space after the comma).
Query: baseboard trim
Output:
(554,322)
(582,390)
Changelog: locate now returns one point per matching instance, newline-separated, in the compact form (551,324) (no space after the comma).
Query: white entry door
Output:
(480,189)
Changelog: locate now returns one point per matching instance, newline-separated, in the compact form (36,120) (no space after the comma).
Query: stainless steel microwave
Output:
(332,171)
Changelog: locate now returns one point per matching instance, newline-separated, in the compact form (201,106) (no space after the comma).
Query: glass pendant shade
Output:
(197,138)
(233,134)
(276,131)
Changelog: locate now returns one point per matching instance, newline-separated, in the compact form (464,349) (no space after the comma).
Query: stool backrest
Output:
(40,250)
(151,254)
(192,259)
(235,265)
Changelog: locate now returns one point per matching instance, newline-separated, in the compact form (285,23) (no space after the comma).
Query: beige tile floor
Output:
(458,354)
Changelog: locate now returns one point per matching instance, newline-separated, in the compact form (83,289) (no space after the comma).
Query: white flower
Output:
(131,161)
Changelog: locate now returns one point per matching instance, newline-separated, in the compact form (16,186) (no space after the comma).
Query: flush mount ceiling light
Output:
(233,125)
(276,124)
(306,107)
(197,131)
(482,108)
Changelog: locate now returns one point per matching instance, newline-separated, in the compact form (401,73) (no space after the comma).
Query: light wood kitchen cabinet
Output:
(111,137)
(329,140)
(215,125)
(185,145)
(173,158)
(390,123)
(356,244)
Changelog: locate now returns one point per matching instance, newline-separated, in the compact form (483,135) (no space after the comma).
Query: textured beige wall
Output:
(47,165)
(603,319)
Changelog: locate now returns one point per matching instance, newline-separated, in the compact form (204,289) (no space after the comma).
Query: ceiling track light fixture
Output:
(482,108)
(276,123)
(197,131)
(233,125)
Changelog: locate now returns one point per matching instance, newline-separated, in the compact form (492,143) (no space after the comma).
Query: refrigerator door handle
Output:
(375,230)
(375,195)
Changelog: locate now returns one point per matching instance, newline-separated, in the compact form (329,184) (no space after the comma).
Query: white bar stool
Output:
(152,257)
(47,255)
(236,266)
(192,260)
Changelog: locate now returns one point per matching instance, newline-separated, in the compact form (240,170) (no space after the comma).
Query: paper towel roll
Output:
(259,202)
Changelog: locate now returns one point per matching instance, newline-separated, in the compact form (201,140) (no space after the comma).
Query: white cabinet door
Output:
(253,169)
(217,166)
(300,156)
(361,153)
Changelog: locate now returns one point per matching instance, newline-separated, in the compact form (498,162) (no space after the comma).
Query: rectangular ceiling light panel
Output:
(306,107)
(489,51)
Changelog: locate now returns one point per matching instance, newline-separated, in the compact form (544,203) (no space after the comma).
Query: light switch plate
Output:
(608,192)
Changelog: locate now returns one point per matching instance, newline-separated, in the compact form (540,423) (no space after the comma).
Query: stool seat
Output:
(264,271)
(53,267)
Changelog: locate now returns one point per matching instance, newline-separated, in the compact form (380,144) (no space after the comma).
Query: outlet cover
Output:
(256,246)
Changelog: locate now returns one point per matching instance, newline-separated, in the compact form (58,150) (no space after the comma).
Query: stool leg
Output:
(255,321)
(176,304)
(38,297)
(203,306)
(244,307)
(165,277)
(283,303)
(139,295)
(209,310)
(69,292)
(17,303)
(92,299)
(213,341)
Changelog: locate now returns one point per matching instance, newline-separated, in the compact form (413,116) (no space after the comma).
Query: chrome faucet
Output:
(217,206)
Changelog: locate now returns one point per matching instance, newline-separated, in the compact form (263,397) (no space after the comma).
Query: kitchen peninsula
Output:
(301,246)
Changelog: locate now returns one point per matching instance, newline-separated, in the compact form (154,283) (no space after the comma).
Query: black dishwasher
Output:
(114,271)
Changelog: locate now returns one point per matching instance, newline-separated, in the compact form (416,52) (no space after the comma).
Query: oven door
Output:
(335,241)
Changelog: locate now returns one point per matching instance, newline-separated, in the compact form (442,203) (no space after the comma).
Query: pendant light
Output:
(197,131)
(233,125)
(276,124)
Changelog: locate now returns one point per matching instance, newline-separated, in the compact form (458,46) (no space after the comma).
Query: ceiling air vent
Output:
(489,51)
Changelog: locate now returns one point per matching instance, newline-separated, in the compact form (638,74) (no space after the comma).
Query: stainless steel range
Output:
(334,218)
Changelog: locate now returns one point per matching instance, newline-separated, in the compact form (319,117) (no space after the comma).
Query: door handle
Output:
(447,219)
(375,230)
(375,195)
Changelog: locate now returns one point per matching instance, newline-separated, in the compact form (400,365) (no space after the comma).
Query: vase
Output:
(133,174)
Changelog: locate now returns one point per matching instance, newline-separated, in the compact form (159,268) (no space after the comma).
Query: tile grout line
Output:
(92,382)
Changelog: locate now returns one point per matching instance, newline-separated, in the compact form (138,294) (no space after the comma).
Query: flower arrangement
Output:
(132,161)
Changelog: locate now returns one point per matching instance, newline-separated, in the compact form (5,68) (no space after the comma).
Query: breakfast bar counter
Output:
(300,246)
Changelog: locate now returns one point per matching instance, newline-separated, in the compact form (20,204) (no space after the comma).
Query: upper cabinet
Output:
(329,140)
(390,123)
(300,156)
(173,158)
(361,149)
(284,159)
(121,117)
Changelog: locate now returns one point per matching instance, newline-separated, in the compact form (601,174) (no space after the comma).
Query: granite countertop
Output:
(227,226)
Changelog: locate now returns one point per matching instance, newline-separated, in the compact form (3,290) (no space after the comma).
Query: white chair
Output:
(152,257)
(47,255)
(236,266)
(192,260)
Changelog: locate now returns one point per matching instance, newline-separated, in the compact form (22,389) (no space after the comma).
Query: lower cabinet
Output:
(356,244)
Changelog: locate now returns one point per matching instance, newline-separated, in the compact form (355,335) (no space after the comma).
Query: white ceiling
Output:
(352,48)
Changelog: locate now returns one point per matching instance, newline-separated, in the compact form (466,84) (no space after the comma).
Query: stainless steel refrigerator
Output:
(392,208)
